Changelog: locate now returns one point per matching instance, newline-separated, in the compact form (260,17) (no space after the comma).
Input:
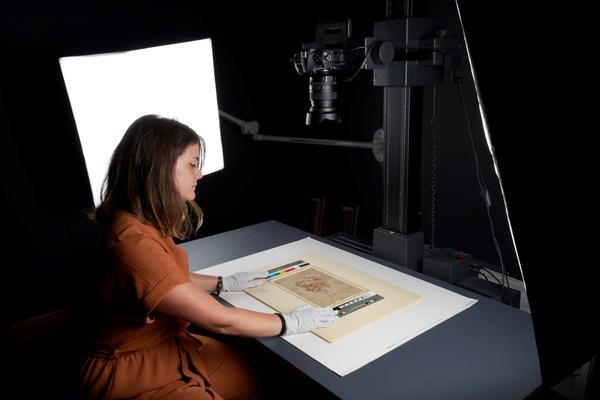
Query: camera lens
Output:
(323,97)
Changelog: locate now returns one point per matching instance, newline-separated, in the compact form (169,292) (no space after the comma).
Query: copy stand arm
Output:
(252,128)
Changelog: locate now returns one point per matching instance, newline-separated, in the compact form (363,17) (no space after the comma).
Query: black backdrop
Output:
(538,107)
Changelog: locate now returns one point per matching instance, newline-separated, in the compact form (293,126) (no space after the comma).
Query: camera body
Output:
(322,61)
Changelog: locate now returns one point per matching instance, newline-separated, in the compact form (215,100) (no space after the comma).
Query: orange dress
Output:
(137,352)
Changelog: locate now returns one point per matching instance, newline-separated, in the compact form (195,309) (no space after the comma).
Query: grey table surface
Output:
(485,352)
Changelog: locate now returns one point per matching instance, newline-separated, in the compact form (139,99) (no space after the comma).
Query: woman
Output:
(140,347)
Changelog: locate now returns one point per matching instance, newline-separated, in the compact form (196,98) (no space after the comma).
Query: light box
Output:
(109,91)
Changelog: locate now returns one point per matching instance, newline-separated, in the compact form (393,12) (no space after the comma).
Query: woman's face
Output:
(187,173)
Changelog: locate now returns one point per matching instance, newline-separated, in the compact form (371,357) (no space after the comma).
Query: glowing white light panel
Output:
(109,91)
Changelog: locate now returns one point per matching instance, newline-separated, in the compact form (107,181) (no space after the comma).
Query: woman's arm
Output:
(208,283)
(193,304)
(235,282)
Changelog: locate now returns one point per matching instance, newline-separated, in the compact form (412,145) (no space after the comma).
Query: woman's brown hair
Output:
(140,177)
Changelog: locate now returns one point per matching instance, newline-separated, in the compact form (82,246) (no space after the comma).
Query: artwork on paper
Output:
(318,287)
(324,282)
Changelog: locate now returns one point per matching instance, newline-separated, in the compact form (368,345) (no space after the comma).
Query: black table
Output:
(486,352)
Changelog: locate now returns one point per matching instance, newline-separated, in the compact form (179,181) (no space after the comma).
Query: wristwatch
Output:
(219,286)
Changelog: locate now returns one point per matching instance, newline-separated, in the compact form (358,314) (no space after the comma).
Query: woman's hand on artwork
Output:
(243,280)
(307,318)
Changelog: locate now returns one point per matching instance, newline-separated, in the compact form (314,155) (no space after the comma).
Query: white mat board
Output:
(353,352)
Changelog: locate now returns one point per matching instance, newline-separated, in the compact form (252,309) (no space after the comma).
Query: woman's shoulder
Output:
(128,223)
(131,241)
(126,228)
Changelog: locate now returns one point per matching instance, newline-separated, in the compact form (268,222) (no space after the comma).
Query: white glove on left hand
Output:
(243,280)
(307,318)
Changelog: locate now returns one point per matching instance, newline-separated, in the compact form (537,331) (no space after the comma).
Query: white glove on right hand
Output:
(307,318)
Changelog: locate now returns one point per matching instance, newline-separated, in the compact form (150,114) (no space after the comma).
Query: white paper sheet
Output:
(353,352)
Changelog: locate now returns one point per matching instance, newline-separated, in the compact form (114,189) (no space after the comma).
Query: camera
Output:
(322,61)
(320,65)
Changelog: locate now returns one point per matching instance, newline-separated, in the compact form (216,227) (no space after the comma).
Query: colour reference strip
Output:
(357,303)
(284,269)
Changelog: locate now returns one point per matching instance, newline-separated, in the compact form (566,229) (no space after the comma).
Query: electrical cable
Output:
(487,271)
(433,169)
(477,270)
(482,270)
(363,63)
(370,48)
(356,48)
(483,275)
(485,194)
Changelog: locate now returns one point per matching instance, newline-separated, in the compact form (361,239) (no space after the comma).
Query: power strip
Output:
(491,289)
